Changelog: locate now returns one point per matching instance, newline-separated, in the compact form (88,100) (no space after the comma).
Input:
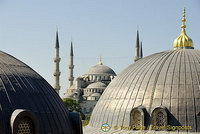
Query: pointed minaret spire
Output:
(137,46)
(141,53)
(57,40)
(71,51)
(71,66)
(56,61)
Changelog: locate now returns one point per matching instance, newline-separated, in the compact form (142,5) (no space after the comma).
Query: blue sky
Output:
(98,27)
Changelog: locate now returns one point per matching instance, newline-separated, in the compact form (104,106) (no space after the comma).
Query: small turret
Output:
(140,52)
(137,47)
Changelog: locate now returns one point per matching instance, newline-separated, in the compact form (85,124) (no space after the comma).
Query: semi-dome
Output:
(163,86)
(96,95)
(28,104)
(97,85)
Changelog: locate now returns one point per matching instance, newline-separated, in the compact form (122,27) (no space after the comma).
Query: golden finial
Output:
(100,63)
(183,41)
(183,20)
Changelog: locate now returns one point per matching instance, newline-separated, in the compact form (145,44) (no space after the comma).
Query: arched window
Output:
(139,118)
(25,126)
(159,117)
(24,122)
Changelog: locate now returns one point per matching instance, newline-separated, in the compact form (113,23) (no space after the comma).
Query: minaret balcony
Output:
(57,59)
(56,73)
(71,78)
(71,66)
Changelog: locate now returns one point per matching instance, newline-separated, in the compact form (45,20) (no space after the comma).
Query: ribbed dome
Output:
(22,88)
(97,85)
(101,69)
(183,41)
(167,79)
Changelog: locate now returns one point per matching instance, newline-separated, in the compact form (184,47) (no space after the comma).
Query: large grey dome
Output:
(167,81)
(101,69)
(26,98)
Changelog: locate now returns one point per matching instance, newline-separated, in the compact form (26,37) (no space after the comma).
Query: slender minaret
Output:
(71,66)
(140,52)
(56,61)
(137,47)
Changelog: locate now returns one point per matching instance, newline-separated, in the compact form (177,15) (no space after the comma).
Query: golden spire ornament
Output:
(100,63)
(183,41)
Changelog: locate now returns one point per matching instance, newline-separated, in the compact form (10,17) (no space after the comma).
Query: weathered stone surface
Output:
(167,79)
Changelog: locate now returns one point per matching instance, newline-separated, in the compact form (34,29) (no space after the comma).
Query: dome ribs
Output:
(155,101)
(196,90)
(121,108)
(141,90)
(28,90)
(169,79)
(99,117)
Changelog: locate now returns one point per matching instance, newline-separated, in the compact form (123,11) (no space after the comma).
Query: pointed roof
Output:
(71,51)
(57,40)
(140,51)
(137,38)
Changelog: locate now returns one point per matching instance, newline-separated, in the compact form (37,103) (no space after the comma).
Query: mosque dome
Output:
(158,92)
(101,69)
(167,80)
(28,104)
(97,85)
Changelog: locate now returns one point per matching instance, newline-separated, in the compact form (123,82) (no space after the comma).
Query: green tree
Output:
(87,119)
(73,105)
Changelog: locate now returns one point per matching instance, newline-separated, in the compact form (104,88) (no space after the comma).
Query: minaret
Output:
(56,61)
(71,66)
(137,47)
(140,51)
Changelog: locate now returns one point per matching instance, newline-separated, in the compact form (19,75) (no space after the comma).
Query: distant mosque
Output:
(89,87)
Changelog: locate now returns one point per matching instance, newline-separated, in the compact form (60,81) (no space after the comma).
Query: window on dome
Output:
(159,117)
(25,126)
(137,118)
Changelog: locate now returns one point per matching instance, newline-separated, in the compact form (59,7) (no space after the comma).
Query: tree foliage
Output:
(73,106)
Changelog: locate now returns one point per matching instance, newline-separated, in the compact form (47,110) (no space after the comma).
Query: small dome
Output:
(97,85)
(96,95)
(183,41)
(101,69)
